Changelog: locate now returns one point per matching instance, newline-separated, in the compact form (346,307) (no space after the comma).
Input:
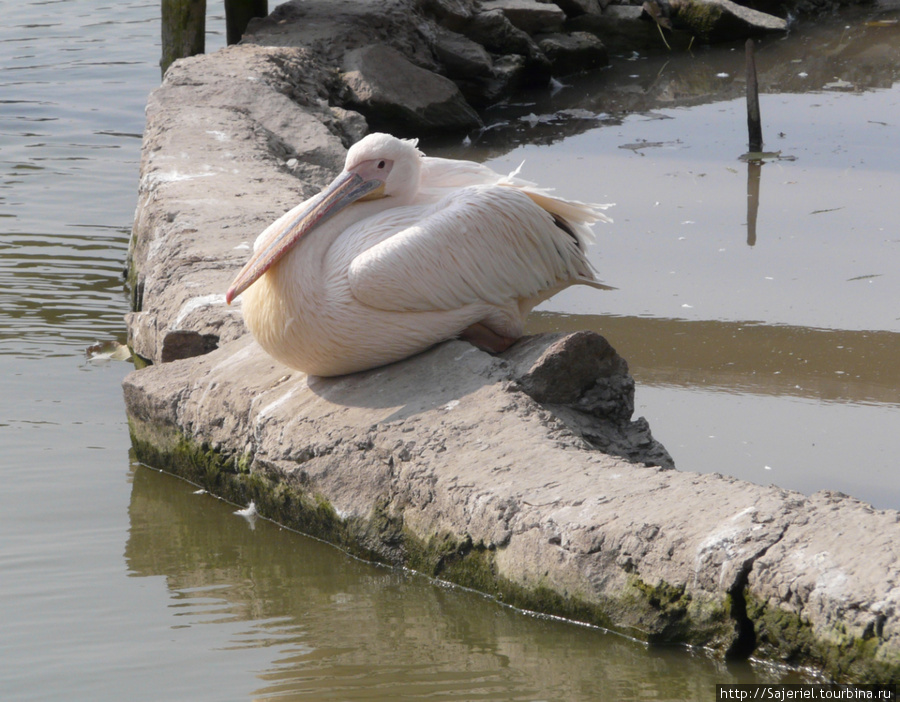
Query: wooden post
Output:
(754,123)
(183,30)
(238,14)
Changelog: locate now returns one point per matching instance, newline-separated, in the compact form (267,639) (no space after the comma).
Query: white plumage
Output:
(403,251)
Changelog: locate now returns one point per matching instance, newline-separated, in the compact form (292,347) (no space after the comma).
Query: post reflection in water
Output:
(336,627)
(754,171)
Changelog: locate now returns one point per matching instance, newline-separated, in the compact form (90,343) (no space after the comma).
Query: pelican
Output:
(403,251)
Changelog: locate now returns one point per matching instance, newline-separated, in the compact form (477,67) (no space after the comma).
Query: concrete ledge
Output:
(522,476)
(445,464)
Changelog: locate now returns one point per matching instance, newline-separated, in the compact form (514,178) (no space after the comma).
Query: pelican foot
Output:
(486,339)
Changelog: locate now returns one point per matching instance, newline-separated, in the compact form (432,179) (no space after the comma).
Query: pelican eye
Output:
(381,165)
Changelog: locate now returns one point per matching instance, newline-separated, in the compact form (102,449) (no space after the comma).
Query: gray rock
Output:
(498,35)
(461,57)
(714,20)
(571,53)
(508,73)
(452,14)
(620,27)
(309,24)
(575,8)
(811,577)
(531,16)
(398,96)
(477,481)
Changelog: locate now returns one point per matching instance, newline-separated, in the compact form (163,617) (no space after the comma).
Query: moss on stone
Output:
(383,537)
(685,621)
(700,17)
(785,636)
(461,562)
(230,477)
(680,618)
(658,613)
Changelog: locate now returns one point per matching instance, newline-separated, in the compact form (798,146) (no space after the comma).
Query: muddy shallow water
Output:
(775,361)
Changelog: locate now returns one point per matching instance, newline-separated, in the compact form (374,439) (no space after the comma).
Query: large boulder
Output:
(460,56)
(398,96)
(524,476)
(576,8)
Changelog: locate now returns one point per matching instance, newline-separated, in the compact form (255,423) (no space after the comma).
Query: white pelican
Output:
(403,251)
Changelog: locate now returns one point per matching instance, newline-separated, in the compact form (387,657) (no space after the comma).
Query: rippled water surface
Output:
(768,352)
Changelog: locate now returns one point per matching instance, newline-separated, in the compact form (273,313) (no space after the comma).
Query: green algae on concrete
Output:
(681,618)
(474,566)
(230,478)
(383,537)
(786,637)
(654,612)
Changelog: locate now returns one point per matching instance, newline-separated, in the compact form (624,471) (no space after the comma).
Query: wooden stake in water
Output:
(183,30)
(238,14)
(754,124)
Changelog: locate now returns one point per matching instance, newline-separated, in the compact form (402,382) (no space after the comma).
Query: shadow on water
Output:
(338,628)
(745,357)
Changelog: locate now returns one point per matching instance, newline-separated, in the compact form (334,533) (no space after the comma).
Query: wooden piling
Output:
(238,14)
(754,123)
(183,30)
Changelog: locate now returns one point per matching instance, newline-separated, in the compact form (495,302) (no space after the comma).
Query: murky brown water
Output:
(771,356)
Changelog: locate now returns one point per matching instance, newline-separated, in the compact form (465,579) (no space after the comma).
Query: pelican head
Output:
(378,166)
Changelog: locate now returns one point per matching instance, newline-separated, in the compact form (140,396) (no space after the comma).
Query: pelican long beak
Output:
(347,188)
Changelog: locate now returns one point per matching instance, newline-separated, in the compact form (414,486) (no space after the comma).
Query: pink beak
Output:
(347,188)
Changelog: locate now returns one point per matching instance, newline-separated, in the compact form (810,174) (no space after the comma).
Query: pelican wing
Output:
(488,244)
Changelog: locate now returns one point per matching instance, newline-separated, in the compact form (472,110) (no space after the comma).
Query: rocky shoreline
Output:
(523,476)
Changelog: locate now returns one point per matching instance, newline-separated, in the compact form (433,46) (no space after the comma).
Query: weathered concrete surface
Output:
(445,463)
(484,471)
